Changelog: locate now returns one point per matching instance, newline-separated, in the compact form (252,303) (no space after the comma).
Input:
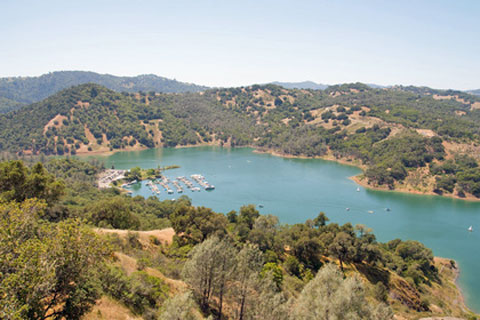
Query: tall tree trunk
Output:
(242,306)
(220,304)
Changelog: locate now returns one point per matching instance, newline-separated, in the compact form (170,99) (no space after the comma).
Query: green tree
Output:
(321,220)
(208,270)
(179,307)
(17,183)
(113,212)
(248,265)
(343,248)
(134,174)
(272,269)
(48,270)
(328,296)
(195,224)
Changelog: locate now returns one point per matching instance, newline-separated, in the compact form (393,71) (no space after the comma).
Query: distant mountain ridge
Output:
(475,92)
(316,86)
(301,85)
(18,91)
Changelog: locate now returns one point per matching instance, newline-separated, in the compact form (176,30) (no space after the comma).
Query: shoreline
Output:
(365,185)
(358,180)
(460,297)
(327,157)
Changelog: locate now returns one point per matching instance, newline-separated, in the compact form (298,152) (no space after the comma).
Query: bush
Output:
(292,266)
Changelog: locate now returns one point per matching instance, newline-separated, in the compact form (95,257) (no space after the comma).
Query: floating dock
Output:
(201,181)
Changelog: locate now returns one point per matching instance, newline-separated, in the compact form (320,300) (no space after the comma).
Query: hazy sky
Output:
(232,43)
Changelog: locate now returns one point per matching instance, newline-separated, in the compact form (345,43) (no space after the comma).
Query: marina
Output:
(176,185)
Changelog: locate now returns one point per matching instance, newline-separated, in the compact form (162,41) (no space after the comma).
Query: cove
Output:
(298,189)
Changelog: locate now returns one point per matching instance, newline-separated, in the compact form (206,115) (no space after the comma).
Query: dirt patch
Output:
(157,134)
(287,98)
(83,104)
(335,94)
(426,132)
(456,98)
(56,122)
(439,97)
(90,136)
(470,149)
(475,106)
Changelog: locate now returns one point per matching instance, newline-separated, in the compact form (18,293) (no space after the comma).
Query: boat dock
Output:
(164,183)
(201,181)
(195,183)
(188,183)
(153,187)
(177,185)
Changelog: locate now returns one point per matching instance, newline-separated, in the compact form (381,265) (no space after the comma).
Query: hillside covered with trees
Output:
(17,91)
(70,250)
(406,138)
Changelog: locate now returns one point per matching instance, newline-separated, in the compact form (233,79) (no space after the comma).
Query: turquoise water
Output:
(298,189)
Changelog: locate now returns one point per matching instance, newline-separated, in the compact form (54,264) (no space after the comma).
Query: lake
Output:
(298,189)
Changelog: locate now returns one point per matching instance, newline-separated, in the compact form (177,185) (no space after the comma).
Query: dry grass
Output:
(475,105)
(157,134)
(109,309)
(59,118)
(426,132)
(129,265)
(165,236)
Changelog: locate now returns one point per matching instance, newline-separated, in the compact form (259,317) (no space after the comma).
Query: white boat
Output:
(348,209)
(470,228)
(370,211)
(358,189)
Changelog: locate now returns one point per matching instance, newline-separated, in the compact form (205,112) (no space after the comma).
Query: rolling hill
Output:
(405,138)
(301,85)
(475,92)
(18,91)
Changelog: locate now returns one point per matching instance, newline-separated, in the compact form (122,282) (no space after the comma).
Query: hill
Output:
(314,86)
(24,90)
(475,92)
(413,139)
(301,85)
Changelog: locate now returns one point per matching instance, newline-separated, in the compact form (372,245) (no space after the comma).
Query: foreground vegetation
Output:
(406,138)
(67,247)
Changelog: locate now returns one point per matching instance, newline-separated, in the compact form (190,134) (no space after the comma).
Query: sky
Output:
(234,43)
